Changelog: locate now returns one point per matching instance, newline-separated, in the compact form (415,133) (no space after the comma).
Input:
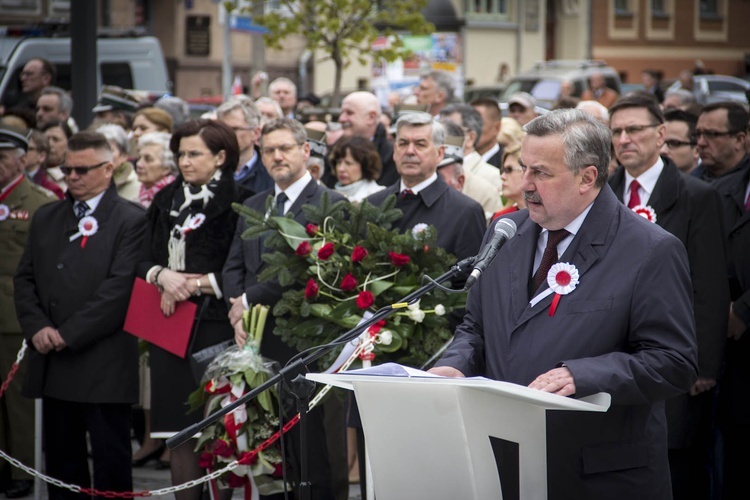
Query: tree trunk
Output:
(336,56)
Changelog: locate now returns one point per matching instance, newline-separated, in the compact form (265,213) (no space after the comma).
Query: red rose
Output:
(278,471)
(326,251)
(235,481)
(311,290)
(248,458)
(223,449)
(349,283)
(358,254)
(399,259)
(311,229)
(365,299)
(303,249)
(206,460)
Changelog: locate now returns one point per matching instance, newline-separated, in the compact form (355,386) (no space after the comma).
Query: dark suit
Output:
(389,173)
(691,210)
(257,179)
(734,400)
(459,220)
(611,332)
(83,293)
(240,275)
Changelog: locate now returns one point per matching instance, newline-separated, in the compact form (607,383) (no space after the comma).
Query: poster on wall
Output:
(439,51)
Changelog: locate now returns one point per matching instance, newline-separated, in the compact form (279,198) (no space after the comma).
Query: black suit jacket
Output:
(258,179)
(734,398)
(389,173)
(459,220)
(611,332)
(691,210)
(84,293)
(245,262)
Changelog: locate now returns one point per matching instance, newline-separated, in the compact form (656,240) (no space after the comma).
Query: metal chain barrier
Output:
(247,458)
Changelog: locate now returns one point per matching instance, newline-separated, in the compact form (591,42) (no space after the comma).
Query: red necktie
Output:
(635,200)
(548,258)
(406,193)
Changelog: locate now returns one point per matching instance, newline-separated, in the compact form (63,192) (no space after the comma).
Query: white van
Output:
(131,63)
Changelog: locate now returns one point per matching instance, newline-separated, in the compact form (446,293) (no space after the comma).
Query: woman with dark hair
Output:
(191,226)
(357,166)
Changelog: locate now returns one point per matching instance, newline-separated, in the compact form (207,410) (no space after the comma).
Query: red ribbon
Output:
(83,241)
(553,307)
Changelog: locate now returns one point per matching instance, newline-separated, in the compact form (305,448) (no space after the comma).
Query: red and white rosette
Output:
(646,212)
(4,212)
(193,223)
(87,226)
(562,279)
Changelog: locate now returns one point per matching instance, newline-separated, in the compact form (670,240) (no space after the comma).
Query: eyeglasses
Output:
(710,134)
(510,170)
(81,171)
(284,149)
(674,143)
(632,130)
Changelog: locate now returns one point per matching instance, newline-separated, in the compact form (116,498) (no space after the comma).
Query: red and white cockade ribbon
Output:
(193,223)
(4,211)
(562,279)
(646,212)
(87,226)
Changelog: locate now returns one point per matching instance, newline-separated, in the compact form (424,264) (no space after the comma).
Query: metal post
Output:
(226,61)
(83,25)
(38,447)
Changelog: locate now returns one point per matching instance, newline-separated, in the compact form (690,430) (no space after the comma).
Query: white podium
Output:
(453,438)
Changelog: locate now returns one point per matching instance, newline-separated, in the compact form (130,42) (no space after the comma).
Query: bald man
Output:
(360,116)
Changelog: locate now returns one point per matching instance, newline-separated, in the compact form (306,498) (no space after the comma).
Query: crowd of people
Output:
(646,195)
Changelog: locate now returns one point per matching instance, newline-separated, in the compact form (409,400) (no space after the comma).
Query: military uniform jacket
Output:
(22,203)
(84,293)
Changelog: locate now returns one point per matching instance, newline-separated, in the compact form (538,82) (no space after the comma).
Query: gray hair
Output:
(66,102)
(176,107)
(470,118)
(116,134)
(282,79)
(586,140)
(298,131)
(686,97)
(272,102)
(444,82)
(418,119)
(160,139)
(249,111)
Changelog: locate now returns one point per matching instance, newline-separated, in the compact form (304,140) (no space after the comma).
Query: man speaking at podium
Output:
(587,297)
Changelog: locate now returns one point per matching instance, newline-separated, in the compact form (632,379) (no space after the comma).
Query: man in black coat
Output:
(244,118)
(720,136)
(72,290)
(691,210)
(285,152)
(423,196)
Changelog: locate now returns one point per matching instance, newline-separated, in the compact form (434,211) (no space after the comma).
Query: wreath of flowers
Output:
(230,375)
(347,262)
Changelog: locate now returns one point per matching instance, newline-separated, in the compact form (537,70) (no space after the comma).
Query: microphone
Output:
(505,229)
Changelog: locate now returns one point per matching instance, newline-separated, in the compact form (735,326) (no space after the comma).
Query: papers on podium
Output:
(145,319)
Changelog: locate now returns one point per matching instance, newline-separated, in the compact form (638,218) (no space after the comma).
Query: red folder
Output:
(145,319)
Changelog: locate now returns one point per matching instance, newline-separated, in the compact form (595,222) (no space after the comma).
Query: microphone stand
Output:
(293,374)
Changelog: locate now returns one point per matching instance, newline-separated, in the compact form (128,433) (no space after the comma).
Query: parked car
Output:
(472,92)
(544,79)
(715,88)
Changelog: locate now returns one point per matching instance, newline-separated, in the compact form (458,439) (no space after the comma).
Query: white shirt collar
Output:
(489,154)
(647,180)
(92,203)
(419,187)
(294,191)
(573,227)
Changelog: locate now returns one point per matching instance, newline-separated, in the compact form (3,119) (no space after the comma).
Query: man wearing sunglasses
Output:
(72,289)
(690,210)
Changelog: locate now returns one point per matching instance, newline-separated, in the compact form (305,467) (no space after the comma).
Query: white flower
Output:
(418,229)
(414,306)
(385,337)
(439,310)
(416,315)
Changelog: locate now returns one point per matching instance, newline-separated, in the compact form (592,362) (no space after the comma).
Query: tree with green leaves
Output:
(345,29)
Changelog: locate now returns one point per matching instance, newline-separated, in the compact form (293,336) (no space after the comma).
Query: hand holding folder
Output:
(146,320)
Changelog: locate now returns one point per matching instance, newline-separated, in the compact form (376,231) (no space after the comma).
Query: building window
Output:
(657,8)
(709,8)
(622,8)
(20,7)
(491,7)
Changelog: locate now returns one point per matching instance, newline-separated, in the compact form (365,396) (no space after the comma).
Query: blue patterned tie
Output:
(81,209)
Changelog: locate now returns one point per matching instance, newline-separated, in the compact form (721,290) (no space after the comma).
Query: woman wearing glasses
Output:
(191,226)
(512,177)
